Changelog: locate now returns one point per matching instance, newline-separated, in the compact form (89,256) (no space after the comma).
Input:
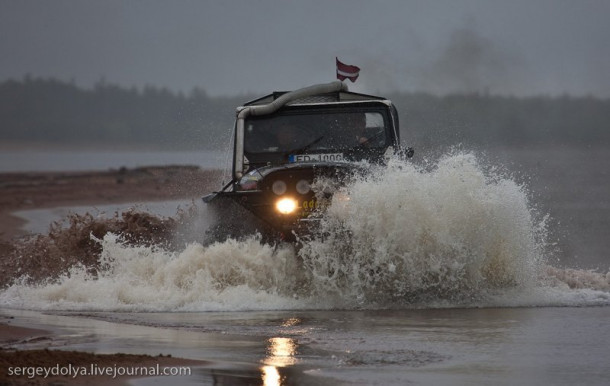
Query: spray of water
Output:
(451,233)
(405,233)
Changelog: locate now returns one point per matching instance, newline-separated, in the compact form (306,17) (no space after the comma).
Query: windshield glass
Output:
(294,133)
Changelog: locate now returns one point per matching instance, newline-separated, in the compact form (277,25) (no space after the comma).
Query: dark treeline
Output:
(481,119)
(56,112)
(51,111)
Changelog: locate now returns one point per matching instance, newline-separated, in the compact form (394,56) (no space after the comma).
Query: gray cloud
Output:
(520,47)
(471,63)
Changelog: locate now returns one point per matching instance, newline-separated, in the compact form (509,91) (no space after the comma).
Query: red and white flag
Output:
(346,71)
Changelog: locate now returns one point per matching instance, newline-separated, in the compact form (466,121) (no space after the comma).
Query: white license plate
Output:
(335,157)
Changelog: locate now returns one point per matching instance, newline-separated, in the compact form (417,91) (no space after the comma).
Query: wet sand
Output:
(37,190)
(11,360)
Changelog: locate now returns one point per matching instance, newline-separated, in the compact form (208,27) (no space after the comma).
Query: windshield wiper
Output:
(306,147)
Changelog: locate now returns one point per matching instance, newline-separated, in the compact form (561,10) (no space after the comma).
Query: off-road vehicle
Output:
(293,149)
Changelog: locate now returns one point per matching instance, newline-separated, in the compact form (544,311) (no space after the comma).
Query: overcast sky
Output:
(518,47)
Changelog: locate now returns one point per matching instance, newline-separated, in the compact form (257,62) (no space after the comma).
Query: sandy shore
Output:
(28,366)
(22,191)
(35,190)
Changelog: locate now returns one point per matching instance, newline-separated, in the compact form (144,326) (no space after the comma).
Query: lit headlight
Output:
(286,205)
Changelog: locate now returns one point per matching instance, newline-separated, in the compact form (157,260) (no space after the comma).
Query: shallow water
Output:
(446,272)
(86,160)
(572,185)
(561,346)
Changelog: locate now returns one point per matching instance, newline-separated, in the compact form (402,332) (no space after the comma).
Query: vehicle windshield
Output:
(296,133)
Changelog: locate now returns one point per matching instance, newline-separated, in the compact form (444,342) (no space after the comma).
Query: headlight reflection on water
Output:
(271,376)
(280,353)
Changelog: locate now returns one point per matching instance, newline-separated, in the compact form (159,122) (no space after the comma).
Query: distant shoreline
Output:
(16,146)
(37,190)
(99,159)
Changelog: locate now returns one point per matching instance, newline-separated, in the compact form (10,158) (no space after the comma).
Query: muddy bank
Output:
(36,366)
(35,190)
(50,255)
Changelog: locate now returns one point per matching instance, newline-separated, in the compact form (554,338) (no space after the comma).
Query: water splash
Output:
(451,233)
(408,232)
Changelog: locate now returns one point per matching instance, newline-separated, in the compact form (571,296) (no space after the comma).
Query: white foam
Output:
(228,276)
(408,232)
(447,235)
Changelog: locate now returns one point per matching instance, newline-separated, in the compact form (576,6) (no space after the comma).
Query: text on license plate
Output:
(336,157)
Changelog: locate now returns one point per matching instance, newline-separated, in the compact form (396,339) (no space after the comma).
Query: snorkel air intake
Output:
(238,161)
